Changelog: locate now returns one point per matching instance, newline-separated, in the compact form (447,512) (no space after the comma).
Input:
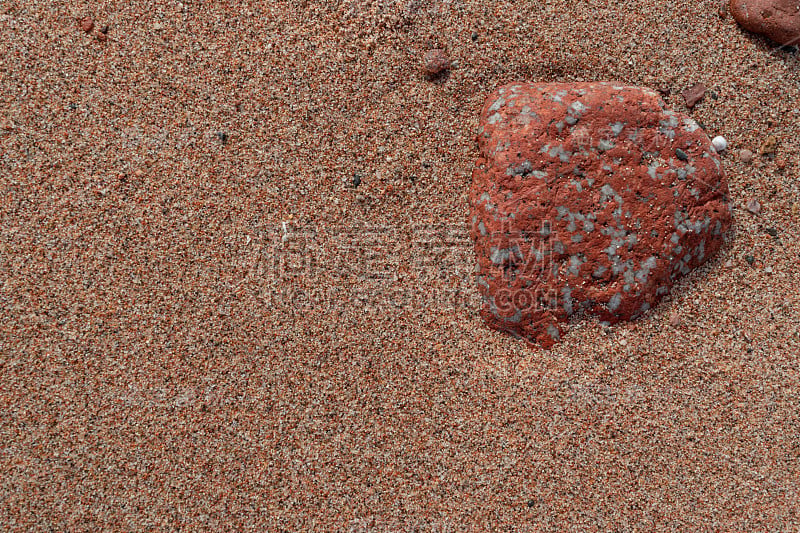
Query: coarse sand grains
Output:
(207,335)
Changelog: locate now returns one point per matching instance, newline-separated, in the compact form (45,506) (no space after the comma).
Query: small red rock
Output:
(580,203)
(694,94)
(778,20)
(436,63)
(87,24)
(674,319)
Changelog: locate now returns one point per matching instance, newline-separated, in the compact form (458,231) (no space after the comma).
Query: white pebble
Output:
(719,143)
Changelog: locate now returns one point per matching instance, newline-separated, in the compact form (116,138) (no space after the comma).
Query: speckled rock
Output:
(580,204)
(779,20)
(87,24)
(436,63)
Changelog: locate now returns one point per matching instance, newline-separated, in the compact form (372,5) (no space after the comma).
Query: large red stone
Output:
(588,198)
(778,20)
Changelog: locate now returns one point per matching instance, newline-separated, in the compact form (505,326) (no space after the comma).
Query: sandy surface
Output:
(209,335)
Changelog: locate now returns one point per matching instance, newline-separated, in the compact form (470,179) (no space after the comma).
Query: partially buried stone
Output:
(87,24)
(436,63)
(779,20)
(753,206)
(694,94)
(580,204)
(768,145)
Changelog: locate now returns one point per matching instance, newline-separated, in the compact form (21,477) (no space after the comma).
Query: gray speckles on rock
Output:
(558,151)
(599,271)
(522,169)
(497,104)
(605,145)
(494,119)
(566,298)
(690,125)
(614,302)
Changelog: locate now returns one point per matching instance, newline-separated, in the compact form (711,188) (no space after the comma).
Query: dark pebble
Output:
(474,36)
(680,154)
(531,503)
(772,231)
(222,136)
(750,259)
(356,180)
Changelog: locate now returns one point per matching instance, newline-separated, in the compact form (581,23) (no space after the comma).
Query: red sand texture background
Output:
(158,370)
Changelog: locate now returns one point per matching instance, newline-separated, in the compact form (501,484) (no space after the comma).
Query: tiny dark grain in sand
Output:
(150,379)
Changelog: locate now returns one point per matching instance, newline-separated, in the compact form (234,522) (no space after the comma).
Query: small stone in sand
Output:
(356,180)
(87,24)
(680,154)
(436,63)
(694,94)
(769,145)
(746,156)
(674,319)
(753,206)
(719,143)
(779,20)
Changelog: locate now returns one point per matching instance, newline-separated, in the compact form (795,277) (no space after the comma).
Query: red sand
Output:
(161,369)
